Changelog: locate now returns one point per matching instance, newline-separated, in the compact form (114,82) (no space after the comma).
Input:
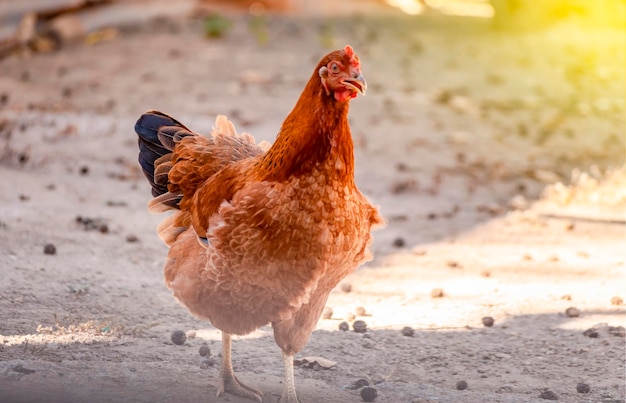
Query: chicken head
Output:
(341,76)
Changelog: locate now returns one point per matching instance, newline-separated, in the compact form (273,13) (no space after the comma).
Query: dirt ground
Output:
(497,159)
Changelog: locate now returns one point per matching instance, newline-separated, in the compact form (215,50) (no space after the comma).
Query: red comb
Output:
(354,59)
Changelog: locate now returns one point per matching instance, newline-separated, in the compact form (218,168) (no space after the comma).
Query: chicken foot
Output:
(228,381)
(289,389)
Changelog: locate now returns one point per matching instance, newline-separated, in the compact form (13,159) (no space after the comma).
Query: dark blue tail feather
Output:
(158,134)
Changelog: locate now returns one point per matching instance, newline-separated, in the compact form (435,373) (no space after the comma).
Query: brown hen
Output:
(259,236)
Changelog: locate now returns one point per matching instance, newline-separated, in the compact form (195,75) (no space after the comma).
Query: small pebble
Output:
(617,301)
(350,317)
(84,170)
(344,326)
(566,297)
(178,337)
(592,332)
(618,331)
(359,383)
(548,395)
(204,350)
(572,312)
(360,311)
(49,249)
(346,287)
(132,238)
(437,293)
(327,313)
(399,242)
(461,385)
(116,203)
(402,167)
(488,321)
(583,388)
(403,186)
(207,363)
(368,394)
(408,331)
(453,264)
(360,326)
(485,273)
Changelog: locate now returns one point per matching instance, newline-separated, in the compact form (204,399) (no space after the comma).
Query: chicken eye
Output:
(334,68)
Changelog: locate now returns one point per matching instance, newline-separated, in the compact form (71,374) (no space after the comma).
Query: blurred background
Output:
(492,138)
(543,82)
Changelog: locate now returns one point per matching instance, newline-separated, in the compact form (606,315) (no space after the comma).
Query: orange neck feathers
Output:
(315,135)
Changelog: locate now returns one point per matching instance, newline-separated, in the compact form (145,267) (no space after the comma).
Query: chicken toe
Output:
(228,381)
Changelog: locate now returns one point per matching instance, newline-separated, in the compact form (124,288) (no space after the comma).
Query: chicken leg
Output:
(228,381)
(289,390)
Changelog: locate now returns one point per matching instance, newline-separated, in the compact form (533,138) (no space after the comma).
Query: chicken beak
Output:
(357,84)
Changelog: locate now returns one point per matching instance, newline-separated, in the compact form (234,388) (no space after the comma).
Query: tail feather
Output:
(147,156)
(161,173)
(158,134)
(161,139)
(170,135)
(224,126)
(164,202)
(169,230)
(148,125)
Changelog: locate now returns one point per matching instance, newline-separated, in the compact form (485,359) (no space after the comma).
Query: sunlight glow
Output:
(411,7)
(42,340)
(468,8)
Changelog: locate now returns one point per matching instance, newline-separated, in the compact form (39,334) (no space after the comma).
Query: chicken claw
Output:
(228,381)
